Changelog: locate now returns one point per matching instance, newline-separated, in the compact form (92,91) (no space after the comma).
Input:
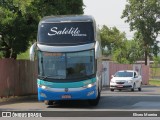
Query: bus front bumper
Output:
(67,93)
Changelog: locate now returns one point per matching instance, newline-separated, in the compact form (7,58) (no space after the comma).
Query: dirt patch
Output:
(15,99)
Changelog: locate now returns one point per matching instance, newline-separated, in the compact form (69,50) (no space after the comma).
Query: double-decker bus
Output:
(68,49)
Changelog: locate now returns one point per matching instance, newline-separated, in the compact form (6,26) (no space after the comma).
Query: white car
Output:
(126,79)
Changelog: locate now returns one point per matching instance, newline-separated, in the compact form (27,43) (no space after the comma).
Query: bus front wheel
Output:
(95,102)
(48,102)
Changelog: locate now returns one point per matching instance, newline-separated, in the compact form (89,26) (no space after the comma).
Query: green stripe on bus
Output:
(66,85)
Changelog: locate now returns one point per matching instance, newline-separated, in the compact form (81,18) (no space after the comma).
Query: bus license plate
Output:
(66,96)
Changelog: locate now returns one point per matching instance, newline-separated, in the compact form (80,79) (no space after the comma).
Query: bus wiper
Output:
(88,77)
(45,77)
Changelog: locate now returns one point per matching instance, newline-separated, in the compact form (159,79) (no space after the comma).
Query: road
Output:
(146,100)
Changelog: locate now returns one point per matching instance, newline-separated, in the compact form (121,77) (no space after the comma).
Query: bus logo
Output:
(66,31)
(66,89)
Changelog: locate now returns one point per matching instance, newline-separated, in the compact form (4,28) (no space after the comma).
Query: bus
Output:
(68,52)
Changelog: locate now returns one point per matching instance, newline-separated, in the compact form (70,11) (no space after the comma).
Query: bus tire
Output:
(48,102)
(112,90)
(95,102)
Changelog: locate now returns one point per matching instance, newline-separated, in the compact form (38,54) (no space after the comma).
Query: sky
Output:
(108,12)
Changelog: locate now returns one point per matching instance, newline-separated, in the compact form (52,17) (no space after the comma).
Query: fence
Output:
(110,68)
(17,77)
(155,73)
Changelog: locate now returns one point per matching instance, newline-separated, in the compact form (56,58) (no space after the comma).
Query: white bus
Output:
(69,59)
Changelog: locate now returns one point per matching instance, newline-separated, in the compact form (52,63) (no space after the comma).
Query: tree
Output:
(116,44)
(142,15)
(129,52)
(19,20)
(111,39)
(12,24)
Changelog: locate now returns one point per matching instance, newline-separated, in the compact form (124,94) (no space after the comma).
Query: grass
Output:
(154,82)
(24,55)
(155,71)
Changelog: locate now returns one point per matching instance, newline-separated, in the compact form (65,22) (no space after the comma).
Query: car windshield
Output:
(66,65)
(124,74)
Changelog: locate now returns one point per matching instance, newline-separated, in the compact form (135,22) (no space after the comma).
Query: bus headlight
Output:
(42,86)
(90,85)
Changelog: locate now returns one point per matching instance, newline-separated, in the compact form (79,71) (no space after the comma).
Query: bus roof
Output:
(67,18)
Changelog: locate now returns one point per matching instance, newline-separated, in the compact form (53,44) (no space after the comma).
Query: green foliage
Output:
(14,30)
(57,7)
(24,55)
(155,67)
(111,39)
(142,15)
(19,20)
(1,55)
(129,52)
(156,61)
(119,56)
(115,43)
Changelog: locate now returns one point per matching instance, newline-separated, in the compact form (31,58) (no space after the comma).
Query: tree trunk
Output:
(145,56)
(7,53)
(14,56)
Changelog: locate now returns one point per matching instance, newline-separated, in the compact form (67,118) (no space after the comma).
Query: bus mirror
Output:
(97,50)
(32,52)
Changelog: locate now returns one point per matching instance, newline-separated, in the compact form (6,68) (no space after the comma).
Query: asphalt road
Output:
(146,100)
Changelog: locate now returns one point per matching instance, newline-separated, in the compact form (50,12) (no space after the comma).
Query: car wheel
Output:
(133,87)
(95,102)
(112,90)
(48,102)
(140,88)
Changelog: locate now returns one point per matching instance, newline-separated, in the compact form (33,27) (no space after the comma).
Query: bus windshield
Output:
(66,65)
